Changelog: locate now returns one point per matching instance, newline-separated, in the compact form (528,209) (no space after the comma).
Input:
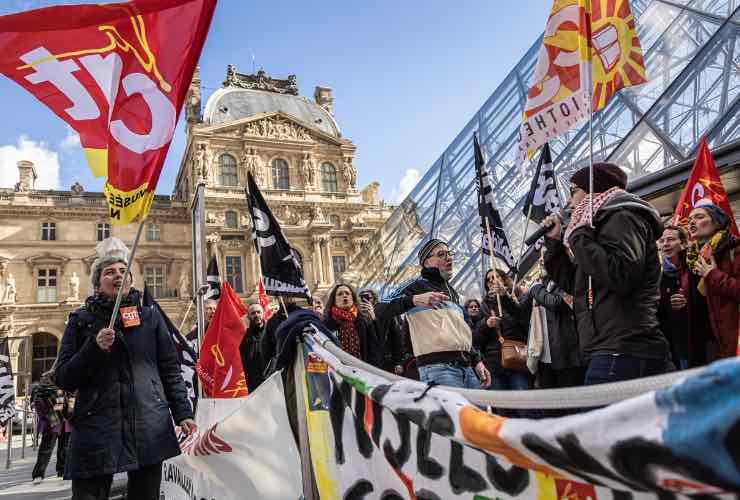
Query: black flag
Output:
(185,353)
(281,269)
(7,391)
(543,193)
(488,211)
(213,279)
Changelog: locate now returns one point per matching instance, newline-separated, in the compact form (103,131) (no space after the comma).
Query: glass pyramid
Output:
(692,53)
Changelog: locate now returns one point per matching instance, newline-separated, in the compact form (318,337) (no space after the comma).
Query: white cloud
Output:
(70,141)
(408,182)
(44,159)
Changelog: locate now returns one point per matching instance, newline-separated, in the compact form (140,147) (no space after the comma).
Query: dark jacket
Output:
(268,345)
(121,420)
(621,255)
(437,335)
(370,346)
(251,353)
(675,323)
(513,326)
(561,328)
(723,296)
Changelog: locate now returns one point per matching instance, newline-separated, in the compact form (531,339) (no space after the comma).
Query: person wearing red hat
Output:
(610,265)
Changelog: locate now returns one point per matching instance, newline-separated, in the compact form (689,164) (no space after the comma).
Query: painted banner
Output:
(244,449)
(118,75)
(376,439)
(7,389)
(587,44)
(704,185)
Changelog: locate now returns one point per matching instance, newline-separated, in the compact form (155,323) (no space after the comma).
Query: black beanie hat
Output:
(426,250)
(606,176)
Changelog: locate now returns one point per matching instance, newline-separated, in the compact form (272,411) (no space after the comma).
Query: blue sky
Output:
(406,77)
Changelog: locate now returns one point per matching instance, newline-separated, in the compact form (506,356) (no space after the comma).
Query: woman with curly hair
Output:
(357,334)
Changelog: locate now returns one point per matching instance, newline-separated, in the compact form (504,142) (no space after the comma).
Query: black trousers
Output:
(46,448)
(143,484)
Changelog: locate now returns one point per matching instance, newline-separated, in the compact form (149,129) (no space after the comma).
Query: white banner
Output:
(244,449)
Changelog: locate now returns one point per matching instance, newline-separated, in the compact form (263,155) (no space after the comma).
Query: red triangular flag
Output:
(264,301)
(219,366)
(704,184)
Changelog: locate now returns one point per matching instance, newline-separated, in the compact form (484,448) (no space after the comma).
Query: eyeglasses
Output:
(442,254)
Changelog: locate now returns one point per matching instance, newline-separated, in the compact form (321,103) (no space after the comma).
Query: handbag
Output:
(513,355)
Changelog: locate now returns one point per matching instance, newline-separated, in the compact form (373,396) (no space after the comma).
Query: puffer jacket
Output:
(437,335)
(621,256)
(126,398)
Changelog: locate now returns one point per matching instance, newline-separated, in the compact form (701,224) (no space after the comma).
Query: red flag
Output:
(704,184)
(219,366)
(118,75)
(264,301)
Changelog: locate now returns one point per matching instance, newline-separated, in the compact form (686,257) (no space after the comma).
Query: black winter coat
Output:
(621,256)
(513,326)
(561,328)
(370,346)
(121,419)
(251,353)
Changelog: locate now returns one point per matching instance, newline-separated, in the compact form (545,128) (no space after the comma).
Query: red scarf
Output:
(349,339)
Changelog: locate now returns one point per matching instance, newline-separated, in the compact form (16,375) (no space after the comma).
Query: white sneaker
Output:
(37,480)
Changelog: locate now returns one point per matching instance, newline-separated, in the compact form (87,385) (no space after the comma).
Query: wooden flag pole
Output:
(493,265)
(187,313)
(126,274)
(521,248)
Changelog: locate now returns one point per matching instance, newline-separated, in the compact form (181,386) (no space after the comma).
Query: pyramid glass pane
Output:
(692,53)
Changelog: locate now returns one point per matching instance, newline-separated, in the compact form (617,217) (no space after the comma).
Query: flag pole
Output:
(493,265)
(187,313)
(126,274)
(590,162)
(521,246)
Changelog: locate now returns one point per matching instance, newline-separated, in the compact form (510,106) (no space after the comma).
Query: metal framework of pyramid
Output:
(692,54)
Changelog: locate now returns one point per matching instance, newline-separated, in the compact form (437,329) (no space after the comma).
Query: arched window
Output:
(329,177)
(43,353)
(231,220)
(227,170)
(280,179)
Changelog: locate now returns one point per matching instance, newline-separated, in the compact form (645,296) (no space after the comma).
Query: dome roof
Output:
(229,104)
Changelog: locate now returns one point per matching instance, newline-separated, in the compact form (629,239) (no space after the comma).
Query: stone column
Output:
(318,266)
(329,268)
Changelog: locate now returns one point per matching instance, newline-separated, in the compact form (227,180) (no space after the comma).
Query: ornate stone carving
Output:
(210,217)
(213,238)
(308,171)
(251,162)
(77,188)
(276,128)
(357,221)
(21,187)
(245,221)
(74,287)
(10,290)
(183,285)
(287,215)
(317,215)
(203,162)
(260,81)
(350,174)
(370,193)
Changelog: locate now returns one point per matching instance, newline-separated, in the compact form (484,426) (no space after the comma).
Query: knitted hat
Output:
(606,176)
(109,251)
(426,250)
(717,214)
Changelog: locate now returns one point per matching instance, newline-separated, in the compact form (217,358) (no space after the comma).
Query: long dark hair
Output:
(332,298)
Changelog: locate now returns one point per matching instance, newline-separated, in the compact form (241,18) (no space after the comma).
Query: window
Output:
(46,285)
(103,230)
(152,233)
(231,220)
(49,231)
(227,171)
(44,353)
(154,279)
(329,177)
(280,178)
(234,272)
(336,222)
(339,263)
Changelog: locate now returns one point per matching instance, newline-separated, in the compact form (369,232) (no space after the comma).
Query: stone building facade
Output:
(292,145)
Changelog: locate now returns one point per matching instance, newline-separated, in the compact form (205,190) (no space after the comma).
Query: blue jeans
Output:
(449,374)
(512,381)
(609,368)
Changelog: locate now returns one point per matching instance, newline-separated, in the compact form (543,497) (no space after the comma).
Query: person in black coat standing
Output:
(250,348)
(357,333)
(128,383)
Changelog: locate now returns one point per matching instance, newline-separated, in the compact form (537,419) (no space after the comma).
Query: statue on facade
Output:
(74,287)
(251,162)
(184,284)
(308,172)
(77,188)
(350,173)
(200,159)
(20,187)
(208,165)
(231,78)
(317,215)
(10,291)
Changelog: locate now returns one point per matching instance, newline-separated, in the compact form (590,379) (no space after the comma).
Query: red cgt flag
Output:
(264,301)
(118,75)
(219,365)
(704,184)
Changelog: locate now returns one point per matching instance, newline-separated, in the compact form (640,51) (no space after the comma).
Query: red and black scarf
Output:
(349,339)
